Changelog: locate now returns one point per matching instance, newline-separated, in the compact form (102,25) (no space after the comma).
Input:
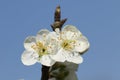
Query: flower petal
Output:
(75,58)
(41,35)
(60,56)
(29,58)
(46,60)
(69,35)
(82,44)
(52,43)
(70,32)
(70,28)
(52,37)
(29,41)
(57,30)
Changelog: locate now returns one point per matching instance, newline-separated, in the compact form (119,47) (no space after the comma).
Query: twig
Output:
(45,73)
(58,23)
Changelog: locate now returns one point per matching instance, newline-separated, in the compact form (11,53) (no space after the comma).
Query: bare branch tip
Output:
(58,6)
(63,20)
(58,9)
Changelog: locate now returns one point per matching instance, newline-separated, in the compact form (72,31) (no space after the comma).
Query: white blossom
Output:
(71,43)
(39,49)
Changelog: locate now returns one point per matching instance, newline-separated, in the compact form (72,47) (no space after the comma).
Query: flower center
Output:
(68,44)
(40,48)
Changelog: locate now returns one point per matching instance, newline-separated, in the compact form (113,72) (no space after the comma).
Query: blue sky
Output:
(99,20)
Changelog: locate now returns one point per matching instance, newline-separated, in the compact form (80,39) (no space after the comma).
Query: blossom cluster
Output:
(48,47)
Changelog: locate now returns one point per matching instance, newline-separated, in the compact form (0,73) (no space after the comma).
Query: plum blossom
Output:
(71,43)
(39,48)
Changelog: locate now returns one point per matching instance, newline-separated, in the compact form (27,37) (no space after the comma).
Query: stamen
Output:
(39,48)
(68,45)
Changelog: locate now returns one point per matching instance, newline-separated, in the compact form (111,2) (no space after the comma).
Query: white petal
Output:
(70,32)
(57,30)
(41,35)
(52,48)
(52,43)
(68,35)
(60,56)
(52,35)
(29,41)
(46,60)
(75,58)
(70,28)
(28,58)
(82,44)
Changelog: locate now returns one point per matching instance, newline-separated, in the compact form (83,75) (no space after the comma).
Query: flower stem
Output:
(58,23)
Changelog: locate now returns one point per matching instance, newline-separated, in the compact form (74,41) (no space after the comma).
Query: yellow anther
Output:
(67,45)
(40,48)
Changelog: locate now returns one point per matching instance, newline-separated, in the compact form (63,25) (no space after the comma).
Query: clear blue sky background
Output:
(99,20)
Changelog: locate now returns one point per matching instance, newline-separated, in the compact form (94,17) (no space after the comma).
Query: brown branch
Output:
(45,73)
(58,23)
(57,14)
